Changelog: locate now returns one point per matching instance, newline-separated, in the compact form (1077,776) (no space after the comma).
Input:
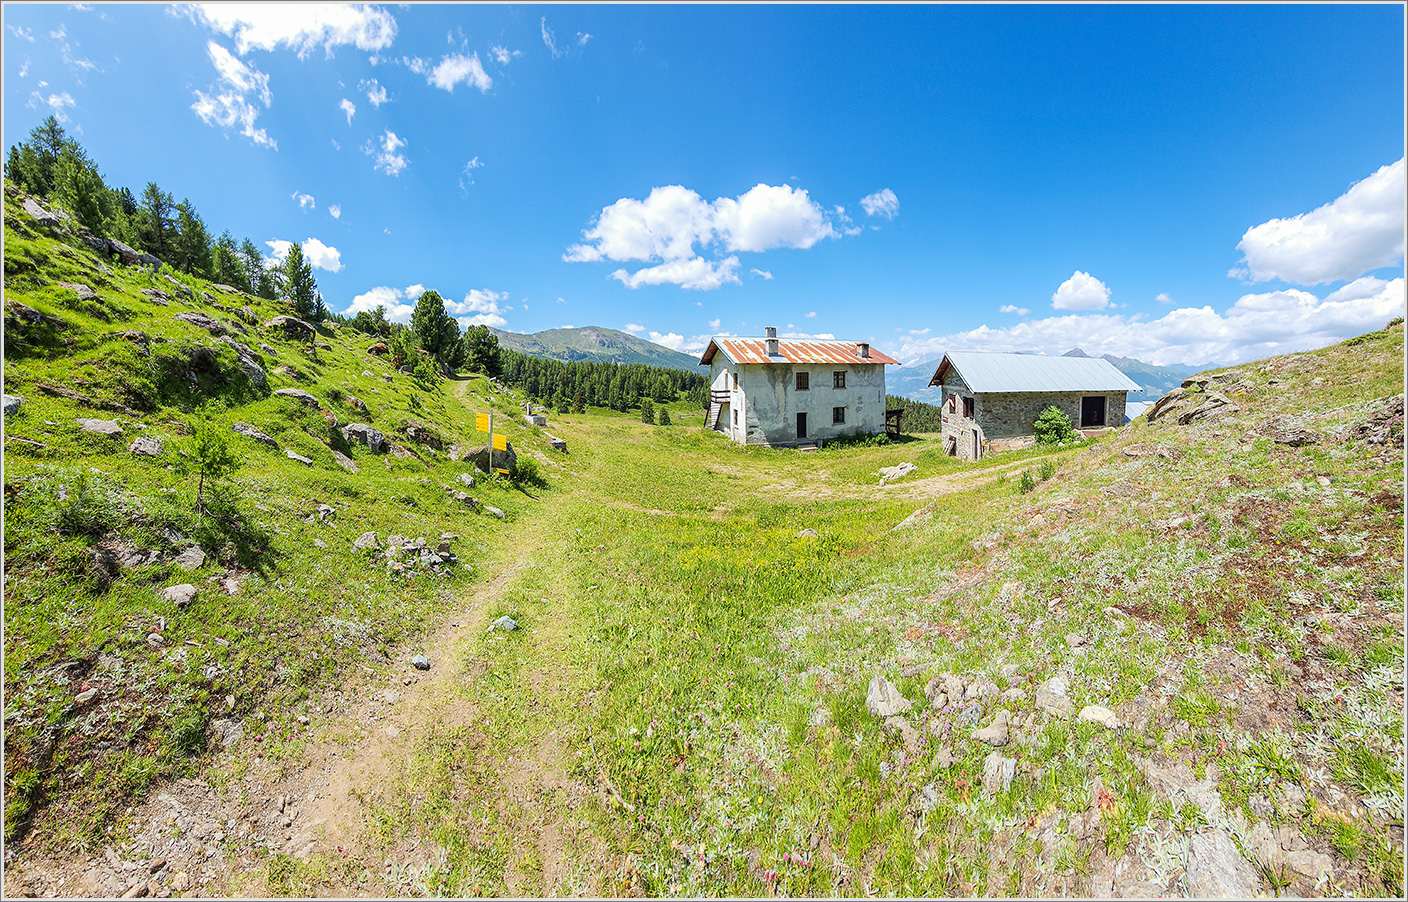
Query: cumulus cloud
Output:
(349,108)
(634,327)
(1163,298)
(1359,231)
(1013,308)
(881,203)
(398,308)
(480,307)
(1255,326)
(811,314)
(375,91)
(386,153)
(457,68)
(714,324)
(320,256)
(672,220)
(503,54)
(1081,291)
(301,27)
(280,250)
(335,211)
(305,201)
(672,340)
(229,103)
(763,273)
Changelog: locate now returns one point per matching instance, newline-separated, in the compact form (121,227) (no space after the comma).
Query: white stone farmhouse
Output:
(990,401)
(794,392)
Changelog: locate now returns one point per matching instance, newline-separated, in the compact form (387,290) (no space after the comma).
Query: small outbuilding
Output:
(794,392)
(990,401)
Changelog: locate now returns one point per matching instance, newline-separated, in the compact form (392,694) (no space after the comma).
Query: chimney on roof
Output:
(770,334)
(863,349)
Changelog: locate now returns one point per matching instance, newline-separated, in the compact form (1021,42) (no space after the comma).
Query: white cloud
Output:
(694,272)
(924,331)
(280,249)
(1081,291)
(305,201)
(20,31)
(714,324)
(335,211)
(672,340)
(229,102)
(1013,308)
(299,26)
(1359,231)
(634,327)
(1255,326)
(827,336)
(375,91)
(55,102)
(320,256)
(480,307)
(413,292)
(881,203)
(24,69)
(767,276)
(811,314)
(582,39)
(387,157)
(467,174)
(549,40)
(416,64)
(1163,298)
(457,68)
(672,220)
(503,54)
(349,108)
(397,308)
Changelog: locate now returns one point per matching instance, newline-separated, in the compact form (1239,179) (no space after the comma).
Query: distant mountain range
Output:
(912,379)
(595,344)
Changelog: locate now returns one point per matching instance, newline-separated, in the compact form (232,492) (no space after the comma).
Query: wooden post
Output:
(491,439)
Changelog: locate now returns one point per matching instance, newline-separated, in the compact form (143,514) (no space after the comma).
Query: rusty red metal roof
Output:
(792,350)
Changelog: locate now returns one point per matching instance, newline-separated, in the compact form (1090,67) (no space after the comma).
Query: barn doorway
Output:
(801,425)
(977,449)
(1092,412)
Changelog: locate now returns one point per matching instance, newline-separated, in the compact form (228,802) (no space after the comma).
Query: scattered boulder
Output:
(290,372)
(998,772)
(12,404)
(807,534)
(898,471)
(365,435)
(1283,432)
(251,364)
(250,432)
(292,326)
(40,215)
(299,395)
(494,511)
(423,435)
(505,623)
(191,559)
(995,734)
(1051,697)
(180,595)
(85,697)
(506,460)
(1384,426)
(326,512)
(145,446)
(99,427)
(356,404)
(83,291)
(1216,404)
(343,461)
(267,350)
(366,540)
(1103,716)
(230,732)
(1310,863)
(420,662)
(466,478)
(294,455)
(379,349)
(883,698)
(200,320)
(908,735)
(1214,869)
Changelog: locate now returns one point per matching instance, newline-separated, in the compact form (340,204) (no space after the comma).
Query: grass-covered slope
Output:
(109,685)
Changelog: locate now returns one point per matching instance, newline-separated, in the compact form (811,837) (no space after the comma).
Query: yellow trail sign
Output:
(501,470)
(500,442)
(481,422)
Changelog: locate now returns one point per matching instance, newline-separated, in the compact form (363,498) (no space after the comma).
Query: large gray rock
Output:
(366,540)
(898,471)
(506,460)
(1214,869)
(250,363)
(38,213)
(145,446)
(180,595)
(995,733)
(294,455)
(1051,697)
(83,291)
(299,395)
(250,432)
(998,772)
(883,698)
(505,623)
(1103,716)
(292,326)
(1216,404)
(344,461)
(191,559)
(365,435)
(202,321)
(99,427)
(12,404)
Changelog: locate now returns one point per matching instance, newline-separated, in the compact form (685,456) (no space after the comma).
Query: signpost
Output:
(485,423)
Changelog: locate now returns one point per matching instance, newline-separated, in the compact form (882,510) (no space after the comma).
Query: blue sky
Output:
(1175,183)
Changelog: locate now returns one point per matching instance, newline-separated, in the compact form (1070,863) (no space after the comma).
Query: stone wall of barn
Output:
(1011,414)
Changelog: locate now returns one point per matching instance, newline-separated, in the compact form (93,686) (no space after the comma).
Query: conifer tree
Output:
(297,286)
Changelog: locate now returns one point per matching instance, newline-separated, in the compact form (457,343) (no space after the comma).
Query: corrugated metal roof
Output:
(792,350)
(986,372)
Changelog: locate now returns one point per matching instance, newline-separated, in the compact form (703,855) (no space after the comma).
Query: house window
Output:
(838,379)
(838,415)
(968,408)
(735,382)
(735,419)
(803,381)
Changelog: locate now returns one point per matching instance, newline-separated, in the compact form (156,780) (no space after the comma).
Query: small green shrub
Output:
(1048,468)
(1052,427)
(525,472)
(1026,483)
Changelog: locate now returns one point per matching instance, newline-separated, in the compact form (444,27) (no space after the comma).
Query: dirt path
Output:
(213,836)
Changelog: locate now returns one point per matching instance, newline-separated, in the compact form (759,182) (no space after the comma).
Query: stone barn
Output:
(794,392)
(990,401)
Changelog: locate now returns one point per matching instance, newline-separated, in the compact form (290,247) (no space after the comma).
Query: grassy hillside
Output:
(597,345)
(1179,638)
